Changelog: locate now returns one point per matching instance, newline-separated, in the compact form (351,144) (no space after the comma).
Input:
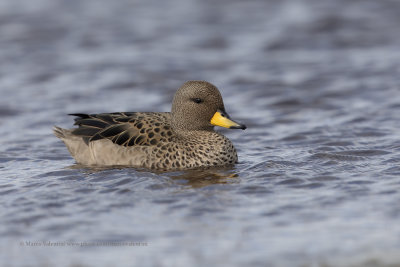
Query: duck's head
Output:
(198,105)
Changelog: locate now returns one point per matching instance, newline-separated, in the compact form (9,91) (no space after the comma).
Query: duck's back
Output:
(124,128)
(123,138)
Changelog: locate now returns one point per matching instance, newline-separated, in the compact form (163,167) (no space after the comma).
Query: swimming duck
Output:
(181,139)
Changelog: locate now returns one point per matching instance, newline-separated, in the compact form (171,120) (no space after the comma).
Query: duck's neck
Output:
(194,133)
(179,127)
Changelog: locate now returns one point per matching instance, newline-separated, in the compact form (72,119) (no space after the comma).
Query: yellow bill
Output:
(222,119)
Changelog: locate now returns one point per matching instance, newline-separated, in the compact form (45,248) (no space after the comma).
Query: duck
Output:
(183,138)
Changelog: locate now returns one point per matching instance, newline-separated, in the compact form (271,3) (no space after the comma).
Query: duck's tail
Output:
(60,132)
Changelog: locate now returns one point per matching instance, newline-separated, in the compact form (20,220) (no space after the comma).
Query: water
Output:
(316,82)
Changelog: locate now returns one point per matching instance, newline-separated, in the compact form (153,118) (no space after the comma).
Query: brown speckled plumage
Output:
(181,139)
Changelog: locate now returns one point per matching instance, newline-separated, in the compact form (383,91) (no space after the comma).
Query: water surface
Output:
(316,82)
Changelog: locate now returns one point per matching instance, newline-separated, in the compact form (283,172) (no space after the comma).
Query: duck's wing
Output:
(124,128)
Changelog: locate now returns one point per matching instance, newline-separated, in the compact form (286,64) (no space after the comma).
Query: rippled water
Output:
(316,82)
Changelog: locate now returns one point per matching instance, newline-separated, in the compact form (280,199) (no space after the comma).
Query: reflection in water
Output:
(195,178)
(204,177)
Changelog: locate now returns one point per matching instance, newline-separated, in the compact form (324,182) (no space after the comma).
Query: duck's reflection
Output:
(204,177)
(195,178)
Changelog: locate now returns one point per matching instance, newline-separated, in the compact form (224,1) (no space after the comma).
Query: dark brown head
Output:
(198,105)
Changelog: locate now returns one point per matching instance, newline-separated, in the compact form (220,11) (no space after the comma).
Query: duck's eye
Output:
(197,100)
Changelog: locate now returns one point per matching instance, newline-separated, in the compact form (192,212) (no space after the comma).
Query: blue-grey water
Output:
(316,82)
